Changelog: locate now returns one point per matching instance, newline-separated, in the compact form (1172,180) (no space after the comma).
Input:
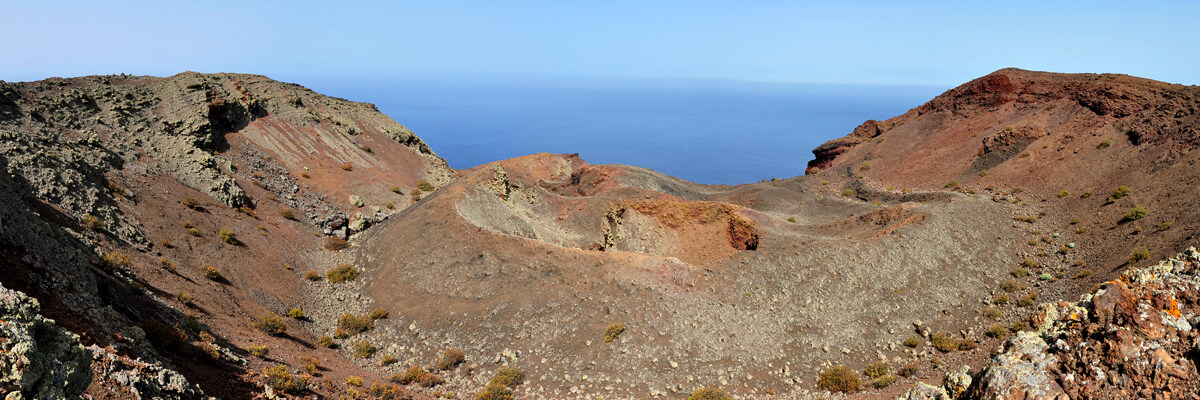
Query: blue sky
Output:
(858,42)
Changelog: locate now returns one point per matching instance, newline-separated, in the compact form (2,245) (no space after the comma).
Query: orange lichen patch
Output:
(1172,308)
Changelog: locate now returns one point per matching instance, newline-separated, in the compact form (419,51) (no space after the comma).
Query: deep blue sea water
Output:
(705,132)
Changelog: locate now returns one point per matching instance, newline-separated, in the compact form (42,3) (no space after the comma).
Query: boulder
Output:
(38,359)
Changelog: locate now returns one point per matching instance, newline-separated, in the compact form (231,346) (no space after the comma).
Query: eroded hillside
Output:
(199,222)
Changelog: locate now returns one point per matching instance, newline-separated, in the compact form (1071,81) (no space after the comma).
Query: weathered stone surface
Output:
(1022,371)
(924,391)
(39,359)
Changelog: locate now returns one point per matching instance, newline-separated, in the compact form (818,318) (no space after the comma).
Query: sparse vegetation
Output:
(229,237)
(341,273)
(425,186)
(184,298)
(944,342)
(450,358)
(1010,286)
(287,214)
(211,273)
(334,243)
(415,195)
(1104,144)
(92,222)
(355,324)
(112,261)
(1139,255)
(364,349)
(1027,300)
(1119,193)
(876,369)
(1019,272)
(839,379)
(396,190)
(908,370)
(325,341)
(1063,194)
(365,148)
(387,360)
(378,313)
(1135,213)
(791,219)
(951,184)
(709,393)
(271,324)
(997,331)
(191,203)
(847,193)
(1084,273)
(1086,194)
(1028,218)
(311,364)
(354,380)
(613,332)
(312,275)
(296,313)
(418,375)
(1165,226)
(912,341)
(280,379)
(347,167)
(258,350)
(1002,299)
(884,381)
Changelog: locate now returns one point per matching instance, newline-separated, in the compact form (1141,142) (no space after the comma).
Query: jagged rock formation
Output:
(39,359)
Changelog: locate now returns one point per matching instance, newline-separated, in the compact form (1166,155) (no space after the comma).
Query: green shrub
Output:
(451,358)
(1027,300)
(396,190)
(258,350)
(364,349)
(508,376)
(281,380)
(839,379)
(1104,144)
(1139,255)
(1135,213)
(387,360)
(1086,194)
(354,380)
(997,331)
(184,298)
(227,236)
(1002,299)
(112,261)
(425,186)
(355,324)
(325,341)
(296,313)
(341,273)
(912,341)
(1117,194)
(944,343)
(876,369)
(378,313)
(211,272)
(613,331)
(993,313)
(495,392)
(418,375)
(191,203)
(311,364)
(1010,286)
(271,324)
(92,222)
(1018,272)
(709,393)
(951,184)
(884,381)
(1063,194)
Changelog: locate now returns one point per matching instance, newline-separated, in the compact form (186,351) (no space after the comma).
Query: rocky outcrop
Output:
(139,379)
(1022,371)
(39,360)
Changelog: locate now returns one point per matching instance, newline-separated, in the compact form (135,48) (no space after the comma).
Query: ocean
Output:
(706,132)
